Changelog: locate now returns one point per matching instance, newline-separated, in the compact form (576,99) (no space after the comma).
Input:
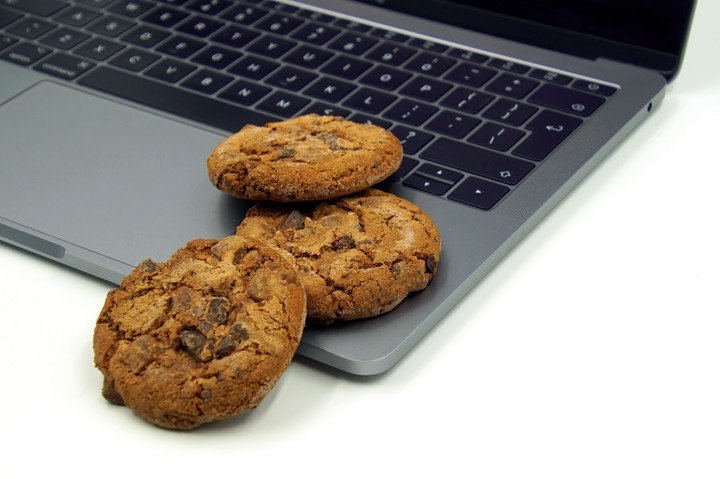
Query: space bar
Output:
(173,100)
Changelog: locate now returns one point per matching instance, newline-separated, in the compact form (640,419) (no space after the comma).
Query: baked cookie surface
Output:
(203,336)
(357,256)
(307,158)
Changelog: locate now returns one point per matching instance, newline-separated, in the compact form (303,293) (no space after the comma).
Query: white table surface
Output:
(592,350)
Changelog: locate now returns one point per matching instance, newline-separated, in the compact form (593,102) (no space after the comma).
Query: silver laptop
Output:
(109,108)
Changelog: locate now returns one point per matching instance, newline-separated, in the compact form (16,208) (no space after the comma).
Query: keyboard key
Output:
(427,185)
(567,100)
(64,66)
(165,17)
(283,104)
(30,28)
(7,17)
(315,16)
(371,101)
(98,3)
(291,78)
(347,67)
(181,47)
(426,88)
(411,139)
(409,111)
(272,47)
(131,8)
(472,75)
(389,35)
(43,8)
(496,136)
(25,53)
(592,87)
(428,45)
(99,49)
(509,66)
(370,120)
(146,37)
(510,112)
(172,99)
(330,89)
(550,76)
(512,85)
(316,34)
(234,36)
(438,172)
(110,26)
(244,92)
(308,57)
(283,7)
(430,64)
(320,108)
(468,55)
(253,67)
(209,7)
(207,81)
(76,16)
(170,71)
(64,38)
(279,24)
(548,129)
(453,124)
(352,25)
(385,77)
(467,100)
(390,53)
(352,43)
(134,60)
(478,193)
(477,161)
(405,167)
(199,27)
(245,14)
(6,41)
(216,57)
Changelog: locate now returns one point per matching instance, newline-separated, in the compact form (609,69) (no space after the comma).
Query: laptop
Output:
(109,109)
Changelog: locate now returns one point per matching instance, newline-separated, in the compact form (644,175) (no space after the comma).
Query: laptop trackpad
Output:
(107,177)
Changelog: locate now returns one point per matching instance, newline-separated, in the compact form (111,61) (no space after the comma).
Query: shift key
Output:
(477,161)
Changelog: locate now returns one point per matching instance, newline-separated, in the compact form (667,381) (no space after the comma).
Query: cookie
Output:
(202,337)
(357,256)
(307,158)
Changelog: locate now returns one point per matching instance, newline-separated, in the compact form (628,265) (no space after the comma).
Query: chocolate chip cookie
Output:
(307,158)
(203,336)
(358,256)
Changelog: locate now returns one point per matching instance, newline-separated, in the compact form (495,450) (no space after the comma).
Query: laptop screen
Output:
(657,25)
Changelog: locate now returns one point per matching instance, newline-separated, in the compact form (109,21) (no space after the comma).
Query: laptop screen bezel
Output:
(543,35)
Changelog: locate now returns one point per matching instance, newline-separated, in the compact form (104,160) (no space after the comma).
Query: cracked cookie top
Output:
(203,336)
(308,158)
(357,256)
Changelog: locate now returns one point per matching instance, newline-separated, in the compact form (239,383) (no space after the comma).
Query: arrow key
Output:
(170,71)
(440,173)
(426,184)
(478,193)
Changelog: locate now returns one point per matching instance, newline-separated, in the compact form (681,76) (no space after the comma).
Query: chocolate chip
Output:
(218,310)
(206,394)
(295,220)
(329,138)
(226,346)
(238,331)
(181,299)
(193,342)
(397,268)
(257,290)
(431,263)
(345,242)
(204,327)
(109,393)
(239,255)
(286,153)
(148,266)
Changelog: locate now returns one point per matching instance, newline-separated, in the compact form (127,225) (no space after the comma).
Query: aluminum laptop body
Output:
(98,182)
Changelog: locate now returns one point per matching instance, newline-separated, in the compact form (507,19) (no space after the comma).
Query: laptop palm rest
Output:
(137,181)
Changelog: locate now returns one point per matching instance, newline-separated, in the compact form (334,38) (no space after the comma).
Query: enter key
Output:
(549,129)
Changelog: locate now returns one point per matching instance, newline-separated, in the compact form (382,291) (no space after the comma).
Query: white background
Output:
(593,350)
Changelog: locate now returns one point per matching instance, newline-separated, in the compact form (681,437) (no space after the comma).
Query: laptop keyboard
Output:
(472,126)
